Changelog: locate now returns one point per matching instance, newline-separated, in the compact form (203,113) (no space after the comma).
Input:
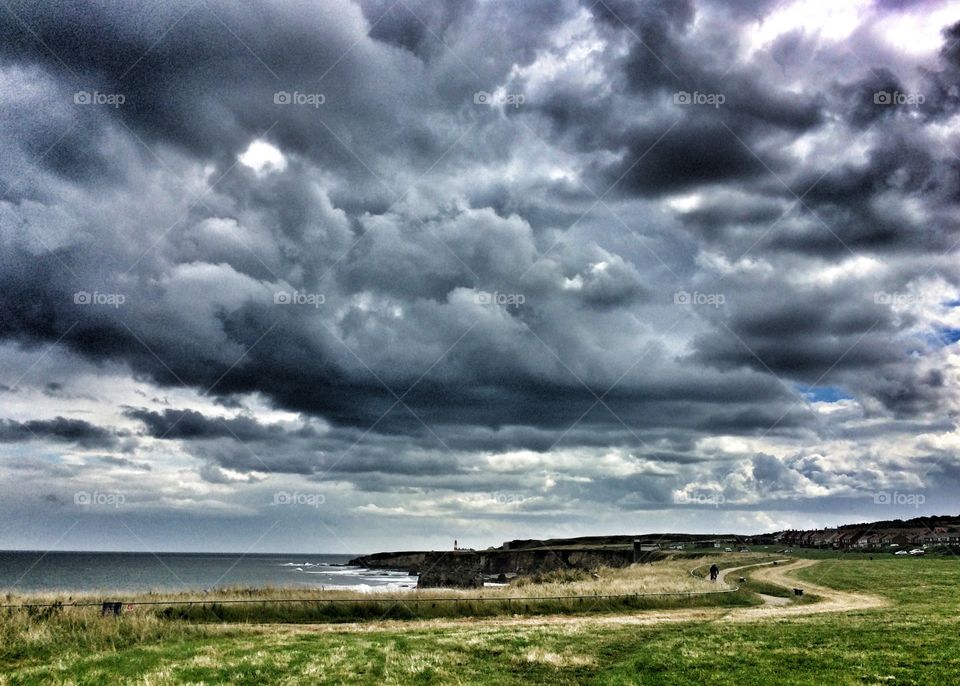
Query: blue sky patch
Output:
(822,394)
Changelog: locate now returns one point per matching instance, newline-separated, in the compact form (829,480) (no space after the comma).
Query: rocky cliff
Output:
(457,569)
(539,560)
(410,561)
(467,568)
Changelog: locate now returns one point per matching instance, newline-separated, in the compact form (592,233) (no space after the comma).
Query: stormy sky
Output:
(341,276)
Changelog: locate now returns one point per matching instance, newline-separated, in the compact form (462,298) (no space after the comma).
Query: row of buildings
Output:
(868,538)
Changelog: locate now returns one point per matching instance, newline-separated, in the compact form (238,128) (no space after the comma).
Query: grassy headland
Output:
(911,642)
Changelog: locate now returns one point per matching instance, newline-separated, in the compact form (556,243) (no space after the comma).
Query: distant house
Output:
(895,533)
(915,537)
(869,541)
(823,538)
(846,539)
(943,537)
(791,537)
(830,539)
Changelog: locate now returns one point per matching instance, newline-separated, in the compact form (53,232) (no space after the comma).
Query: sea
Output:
(25,572)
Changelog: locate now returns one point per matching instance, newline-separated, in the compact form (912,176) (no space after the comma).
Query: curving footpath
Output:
(830,600)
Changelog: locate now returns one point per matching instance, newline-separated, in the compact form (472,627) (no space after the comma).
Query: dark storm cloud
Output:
(682,159)
(716,221)
(192,425)
(669,58)
(863,109)
(415,26)
(59,429)
(819,335)
(429,443)
(185,82)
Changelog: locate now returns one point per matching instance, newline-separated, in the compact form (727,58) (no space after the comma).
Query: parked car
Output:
(901,552)
(728,550)
(918,552)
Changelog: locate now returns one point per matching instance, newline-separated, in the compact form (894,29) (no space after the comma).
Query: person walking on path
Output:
(714,572)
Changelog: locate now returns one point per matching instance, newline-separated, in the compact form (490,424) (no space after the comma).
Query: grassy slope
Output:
(915,642)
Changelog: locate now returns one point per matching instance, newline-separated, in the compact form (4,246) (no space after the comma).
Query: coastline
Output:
(128,574)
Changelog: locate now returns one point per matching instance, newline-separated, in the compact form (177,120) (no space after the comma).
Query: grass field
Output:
(912,641)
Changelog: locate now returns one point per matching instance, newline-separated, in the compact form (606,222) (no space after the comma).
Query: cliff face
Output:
(537,561)
(459,569)
(466,568)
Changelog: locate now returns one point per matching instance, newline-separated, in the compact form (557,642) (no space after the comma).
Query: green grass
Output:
(912,642)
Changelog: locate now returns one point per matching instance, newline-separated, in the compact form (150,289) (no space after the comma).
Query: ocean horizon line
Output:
(177,552)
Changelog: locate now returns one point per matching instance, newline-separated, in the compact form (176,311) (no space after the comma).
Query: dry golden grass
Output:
(666,576)
(557,660)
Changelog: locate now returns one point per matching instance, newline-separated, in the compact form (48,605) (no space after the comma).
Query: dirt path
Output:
(773,599)
(831,600)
